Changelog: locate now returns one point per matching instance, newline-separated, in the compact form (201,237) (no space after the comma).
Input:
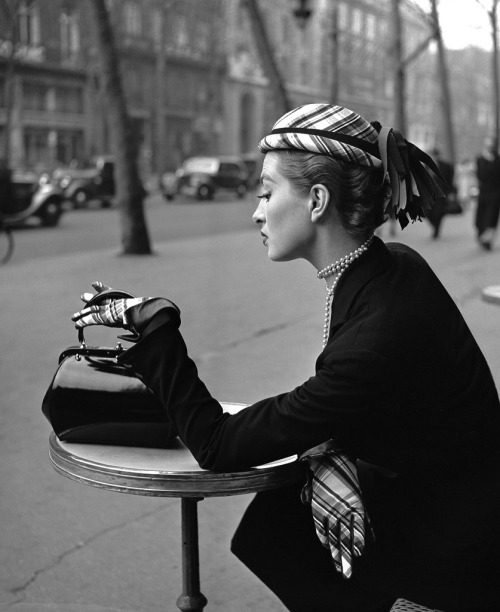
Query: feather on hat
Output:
(326,129)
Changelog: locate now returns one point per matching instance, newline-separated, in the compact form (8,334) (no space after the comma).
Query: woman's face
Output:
(283,215)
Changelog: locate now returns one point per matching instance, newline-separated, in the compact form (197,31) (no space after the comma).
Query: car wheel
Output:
(80,198)
(241,191)
(205,192)
(50,213)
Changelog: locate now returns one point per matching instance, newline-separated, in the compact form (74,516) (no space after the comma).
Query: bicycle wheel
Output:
(6,244)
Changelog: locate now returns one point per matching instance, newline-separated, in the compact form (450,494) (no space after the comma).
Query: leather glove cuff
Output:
(138,317)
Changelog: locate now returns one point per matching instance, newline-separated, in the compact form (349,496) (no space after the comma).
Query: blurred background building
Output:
(195,81)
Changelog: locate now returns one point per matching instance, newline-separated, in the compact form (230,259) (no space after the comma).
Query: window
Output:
(157,24)
(29,23)
(371,25)
(36,146)
(133,19)
(357,21)
(70,36)
(34,97)
(304,70)
(69,100)
(230,170)
(180,35)
(343,17)
(202,39)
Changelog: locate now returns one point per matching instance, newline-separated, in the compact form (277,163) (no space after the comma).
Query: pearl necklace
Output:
(338,268)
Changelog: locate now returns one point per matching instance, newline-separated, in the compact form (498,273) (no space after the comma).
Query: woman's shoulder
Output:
(404,255)
(399,248)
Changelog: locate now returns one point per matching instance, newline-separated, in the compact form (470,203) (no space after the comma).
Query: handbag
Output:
(453,205)
(94,399)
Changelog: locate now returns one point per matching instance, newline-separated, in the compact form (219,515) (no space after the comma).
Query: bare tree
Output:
(443,77)
(129,190)
(432,21)
(9,11)
(492,11)
(266,55)
(335,82)
(399,70)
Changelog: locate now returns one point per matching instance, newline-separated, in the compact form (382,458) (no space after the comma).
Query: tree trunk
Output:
(266,55)
(399,71)
(335,86)
(496,88)
(159,103)
(129,189)
(445,98)
(9,13)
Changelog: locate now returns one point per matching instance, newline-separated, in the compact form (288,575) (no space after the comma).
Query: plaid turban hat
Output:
(343,134)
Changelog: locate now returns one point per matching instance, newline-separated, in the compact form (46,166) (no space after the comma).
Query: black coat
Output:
(488,204)
(401,384)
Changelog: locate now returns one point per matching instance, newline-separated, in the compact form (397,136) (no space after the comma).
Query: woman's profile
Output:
(398,429)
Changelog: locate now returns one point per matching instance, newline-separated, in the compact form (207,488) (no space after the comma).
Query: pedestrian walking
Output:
(398,428)
(437,213)
(6,193)
(488,205)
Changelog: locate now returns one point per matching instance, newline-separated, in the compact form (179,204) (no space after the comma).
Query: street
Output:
(253,327)
(96,228)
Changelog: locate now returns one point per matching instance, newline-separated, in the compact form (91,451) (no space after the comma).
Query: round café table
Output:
(169,472)
(491,294)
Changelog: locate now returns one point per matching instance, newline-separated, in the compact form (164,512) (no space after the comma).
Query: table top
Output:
(171,472)
(491,294)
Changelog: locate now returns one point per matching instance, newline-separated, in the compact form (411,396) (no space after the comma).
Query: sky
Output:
(463,22)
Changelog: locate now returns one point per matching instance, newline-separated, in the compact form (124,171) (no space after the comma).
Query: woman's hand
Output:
(110,312)
(340,519)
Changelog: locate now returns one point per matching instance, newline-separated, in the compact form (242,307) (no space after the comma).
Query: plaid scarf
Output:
(326,129)
(333,492)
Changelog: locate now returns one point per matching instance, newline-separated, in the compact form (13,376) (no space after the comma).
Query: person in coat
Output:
(402,414)
(488,204)
(437,213)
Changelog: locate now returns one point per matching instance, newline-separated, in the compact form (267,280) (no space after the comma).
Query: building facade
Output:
(196,87)
(42,85)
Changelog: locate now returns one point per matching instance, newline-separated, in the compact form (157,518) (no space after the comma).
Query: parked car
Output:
(203,177)
(25,196)
(83,185)
(253,162)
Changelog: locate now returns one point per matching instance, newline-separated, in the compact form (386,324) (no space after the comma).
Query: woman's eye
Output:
(266,196)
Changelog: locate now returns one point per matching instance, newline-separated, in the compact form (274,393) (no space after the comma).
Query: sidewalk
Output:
(69,544)
(253,327)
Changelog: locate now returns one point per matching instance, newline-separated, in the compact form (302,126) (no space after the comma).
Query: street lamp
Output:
(302,13)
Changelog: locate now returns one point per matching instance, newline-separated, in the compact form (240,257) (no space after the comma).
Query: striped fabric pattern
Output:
(335,119)
(338,512)
(110,312)
(341,133)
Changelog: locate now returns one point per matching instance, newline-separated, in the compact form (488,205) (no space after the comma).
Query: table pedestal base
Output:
(172,472)
(191,599)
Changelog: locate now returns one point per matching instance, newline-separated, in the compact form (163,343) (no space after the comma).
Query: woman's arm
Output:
(270,429)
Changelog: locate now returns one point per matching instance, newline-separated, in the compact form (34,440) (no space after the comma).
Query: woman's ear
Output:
(318,203)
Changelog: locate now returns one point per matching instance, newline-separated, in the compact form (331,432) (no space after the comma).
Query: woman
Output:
(401,388)
(488,204)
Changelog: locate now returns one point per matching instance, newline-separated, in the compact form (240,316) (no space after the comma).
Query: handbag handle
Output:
(113,294)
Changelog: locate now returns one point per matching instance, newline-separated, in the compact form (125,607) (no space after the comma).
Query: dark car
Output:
(24,195)
(253,163)
(94,183)
(203,177)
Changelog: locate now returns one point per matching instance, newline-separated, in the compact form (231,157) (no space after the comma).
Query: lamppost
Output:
(302,13)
